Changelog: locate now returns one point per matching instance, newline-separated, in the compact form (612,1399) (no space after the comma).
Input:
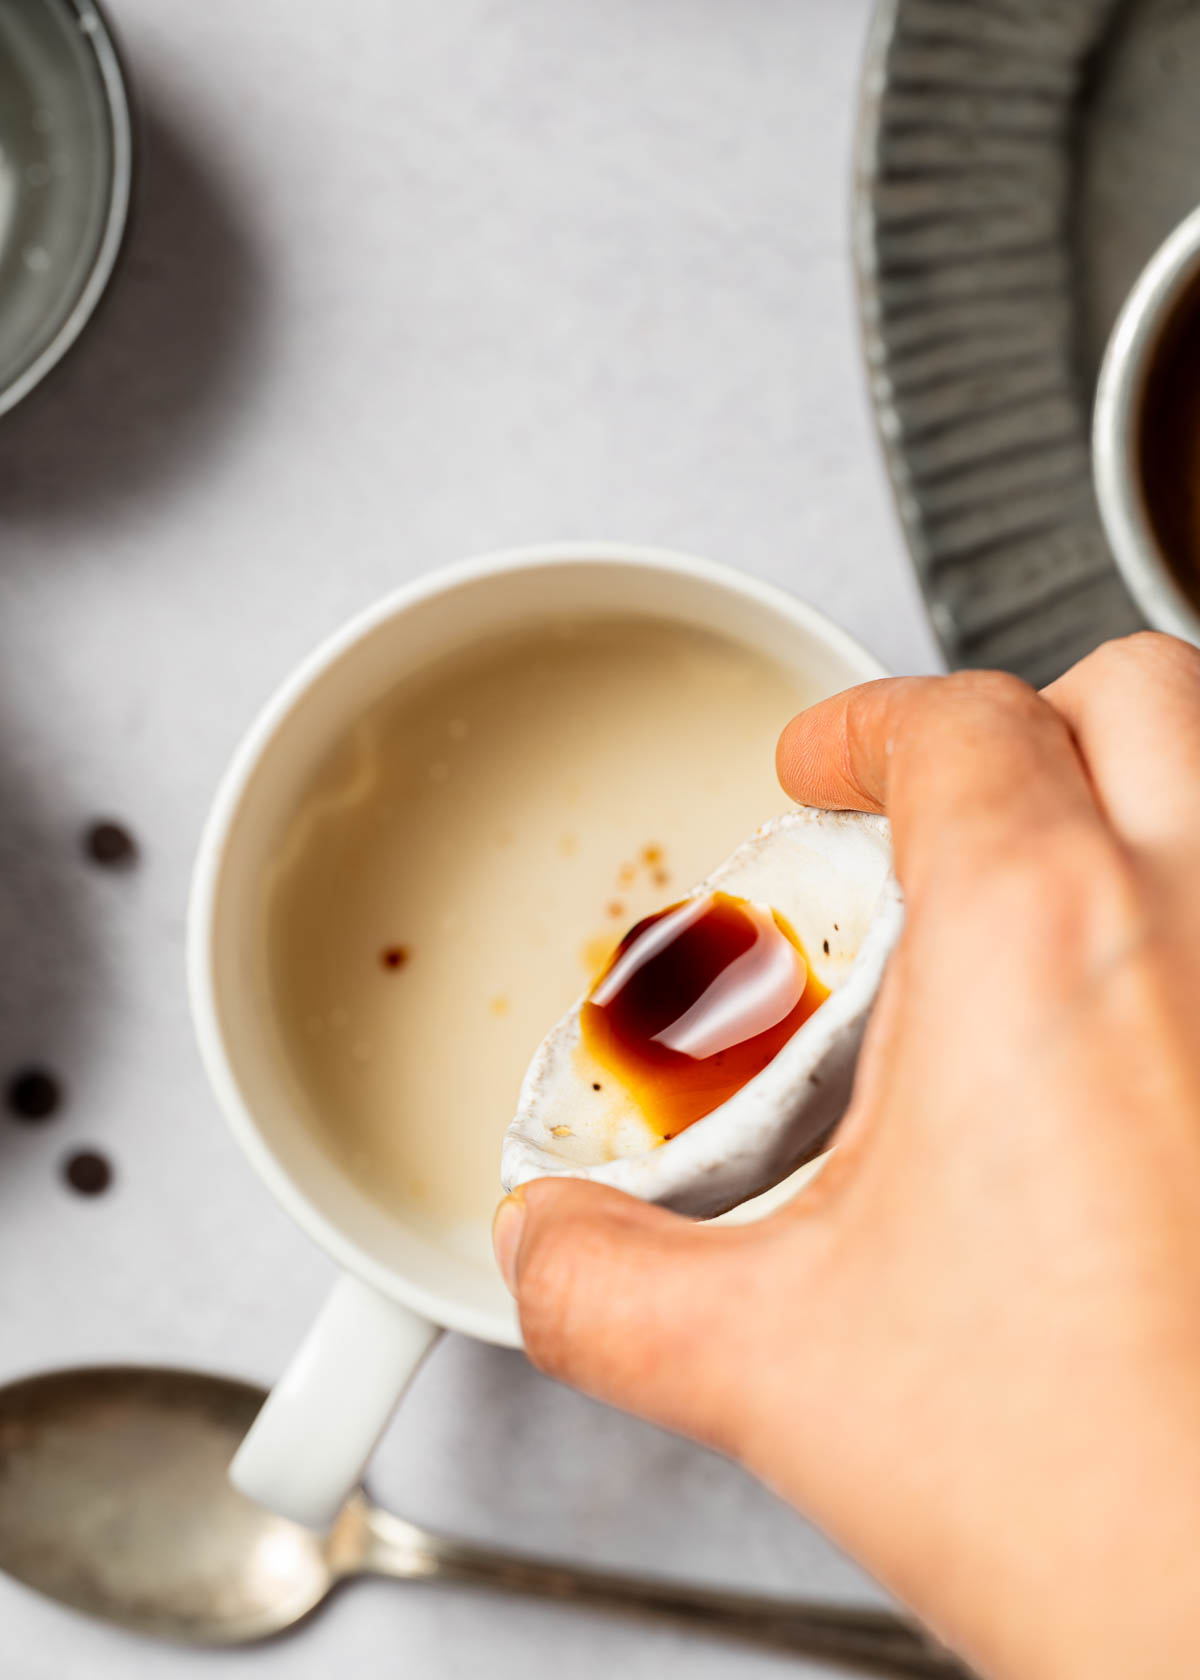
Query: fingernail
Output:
(506,1236)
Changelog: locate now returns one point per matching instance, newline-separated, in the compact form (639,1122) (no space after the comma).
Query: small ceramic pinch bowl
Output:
(829,873)
(65,169)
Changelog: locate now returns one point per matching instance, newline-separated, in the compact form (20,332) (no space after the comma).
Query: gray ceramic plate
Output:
(1020,160)
(65,163)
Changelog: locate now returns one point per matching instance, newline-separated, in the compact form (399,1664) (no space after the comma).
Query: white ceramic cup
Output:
(1168,280)
(308,1446)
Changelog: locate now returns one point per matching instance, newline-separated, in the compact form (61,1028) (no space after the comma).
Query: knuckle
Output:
(945,708)
(991,698)
(1144,650)
(998,689)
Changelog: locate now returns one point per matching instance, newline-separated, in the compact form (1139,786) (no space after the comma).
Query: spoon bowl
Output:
(115,1501)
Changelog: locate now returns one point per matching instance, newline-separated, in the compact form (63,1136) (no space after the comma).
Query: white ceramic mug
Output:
(307,1449)
(1168,280)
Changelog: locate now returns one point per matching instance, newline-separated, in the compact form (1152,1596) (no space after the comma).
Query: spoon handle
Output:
(871,1641)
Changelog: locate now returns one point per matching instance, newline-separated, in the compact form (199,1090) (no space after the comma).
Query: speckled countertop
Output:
(407,281)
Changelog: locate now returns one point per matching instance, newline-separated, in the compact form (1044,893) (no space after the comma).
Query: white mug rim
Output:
(438,1307)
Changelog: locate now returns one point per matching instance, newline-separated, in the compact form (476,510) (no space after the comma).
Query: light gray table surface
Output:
(408,281)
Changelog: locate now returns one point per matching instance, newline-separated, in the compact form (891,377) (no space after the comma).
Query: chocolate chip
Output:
(88,1173)
(33,1094)
(394,957)
(595,1086)
(110,845)
(825,946)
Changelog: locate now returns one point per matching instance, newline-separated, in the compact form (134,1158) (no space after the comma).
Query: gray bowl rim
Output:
(94,27)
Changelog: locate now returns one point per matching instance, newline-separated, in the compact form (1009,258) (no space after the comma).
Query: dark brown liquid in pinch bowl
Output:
(695,1002)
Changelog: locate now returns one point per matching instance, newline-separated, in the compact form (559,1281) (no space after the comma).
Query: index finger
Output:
(968,767)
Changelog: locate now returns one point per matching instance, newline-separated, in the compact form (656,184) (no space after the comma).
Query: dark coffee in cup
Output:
(1169,443)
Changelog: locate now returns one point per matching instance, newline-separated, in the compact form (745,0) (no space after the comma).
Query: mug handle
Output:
(306,1449)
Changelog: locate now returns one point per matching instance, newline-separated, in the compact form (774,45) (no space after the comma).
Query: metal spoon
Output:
(116,1502)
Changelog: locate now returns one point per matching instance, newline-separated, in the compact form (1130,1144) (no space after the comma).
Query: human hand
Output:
(970,1349)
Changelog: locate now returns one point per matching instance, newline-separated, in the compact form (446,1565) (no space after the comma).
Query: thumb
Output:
(635,1305)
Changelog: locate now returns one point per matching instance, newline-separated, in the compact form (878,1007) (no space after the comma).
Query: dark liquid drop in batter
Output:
(695,1002)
